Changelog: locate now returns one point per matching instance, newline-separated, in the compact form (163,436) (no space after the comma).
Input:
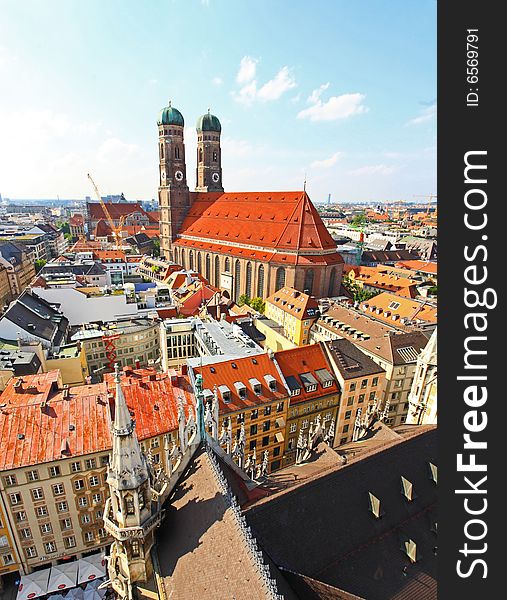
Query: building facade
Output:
(295,311)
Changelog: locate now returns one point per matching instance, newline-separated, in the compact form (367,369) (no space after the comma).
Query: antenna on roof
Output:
(304,184)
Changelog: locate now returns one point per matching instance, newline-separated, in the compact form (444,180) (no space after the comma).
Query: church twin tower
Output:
(174,195)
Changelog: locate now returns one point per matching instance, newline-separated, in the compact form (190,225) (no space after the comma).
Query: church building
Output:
(251,243)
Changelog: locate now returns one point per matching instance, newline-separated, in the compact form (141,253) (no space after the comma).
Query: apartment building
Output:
(295,311)
(19,264)
(361,380)
(56,444)
(251,392)
(314,393)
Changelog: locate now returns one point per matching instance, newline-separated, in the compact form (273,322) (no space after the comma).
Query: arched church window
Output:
(217,271)
(237,280)
(176,152)
(199,263)
(248,289)
(191,260)
(308,287)
(260,281)
(280,278)
(208,267)
(332,279)
(228,265)
(162,151)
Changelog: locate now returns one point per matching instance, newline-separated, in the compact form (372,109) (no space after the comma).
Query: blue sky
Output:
(344,91)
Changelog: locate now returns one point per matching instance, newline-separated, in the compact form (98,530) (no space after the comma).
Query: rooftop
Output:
(296,303)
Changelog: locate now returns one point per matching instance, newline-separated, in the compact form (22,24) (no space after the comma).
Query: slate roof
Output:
(323,528)
(350,361)
(38,318)
(12,252)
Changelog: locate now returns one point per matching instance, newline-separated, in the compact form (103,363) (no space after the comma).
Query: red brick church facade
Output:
(249,243)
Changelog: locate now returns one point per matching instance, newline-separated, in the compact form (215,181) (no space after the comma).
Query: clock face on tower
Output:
(215,177)
(178,175)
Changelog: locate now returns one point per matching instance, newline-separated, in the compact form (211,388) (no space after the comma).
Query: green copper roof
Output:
(170,116)
(208,122)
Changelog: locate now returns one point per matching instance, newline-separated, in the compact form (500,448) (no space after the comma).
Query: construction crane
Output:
(430,198)
(116,230)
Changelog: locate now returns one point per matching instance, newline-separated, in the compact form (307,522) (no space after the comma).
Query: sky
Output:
(341,93)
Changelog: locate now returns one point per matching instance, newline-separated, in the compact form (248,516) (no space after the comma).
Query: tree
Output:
(65,227)
(243,299)
(359,294)
(39,264)
(258,304)
(359,220)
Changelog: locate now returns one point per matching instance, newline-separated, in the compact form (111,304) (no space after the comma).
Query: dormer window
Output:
(407,489)
(255,384)
(225,392)
(241,389)
(375,506)
(271,382)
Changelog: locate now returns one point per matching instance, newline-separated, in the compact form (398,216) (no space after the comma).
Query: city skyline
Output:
(362,128)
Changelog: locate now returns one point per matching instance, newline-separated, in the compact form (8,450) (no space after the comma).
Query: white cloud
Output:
(115,150)
(426,115)
(273,89)
(247,68)
(269,91)
(315,95)
(336,107)
(374,170)
(217,81)
(327,162)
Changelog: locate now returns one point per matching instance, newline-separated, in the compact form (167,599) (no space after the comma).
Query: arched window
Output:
(200,155)
(207,273)
(217,271)
(332,279)
(260,282)
(227,265)
(191,260)
(237,280)
(176,152)
(308,287)
(182,259)
(199,263)
(280,278)
(248,287)
(162,151)
(129,505)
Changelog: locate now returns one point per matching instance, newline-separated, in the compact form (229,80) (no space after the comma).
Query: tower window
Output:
(135,548)
(200,155)
(176,152)
(215,157)
(162,151)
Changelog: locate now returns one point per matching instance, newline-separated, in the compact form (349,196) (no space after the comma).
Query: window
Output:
(85,519)
(361,398)
(240,418)
(253,444)
(371,397)
(102,532)
(154,443)
(265,440)
(32,476)
(304,424)
(83,501)
(8,559)
(90,463)
(31,551)
(50,547)
(58,489)
(10,480)
(98,514)
(267,410)
(89,536)
(266,425)
(345,429)
(94,480)
(352,386)
(15,498)
(279,407)
(46,528)
(54,471)
(135,548)
(364,383)
(37,494)
(276,451)
(4,542)
(62,507)
(350,401)
(293,427)
(79,484)
(347,414)
(20,516)
(69,542)
(97,498)
(253,429)
(104,460)
(394,305)
(254,414)
(26,533)
(75,467)
(66,524)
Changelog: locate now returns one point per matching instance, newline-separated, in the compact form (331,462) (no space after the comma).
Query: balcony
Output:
(125,533)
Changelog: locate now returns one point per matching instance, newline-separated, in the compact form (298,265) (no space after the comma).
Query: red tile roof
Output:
(76,221)
(153,399)
(115,209)
(242,369)
(307,359)
(418,265)
(45,429)
(274,220)
(296,303)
